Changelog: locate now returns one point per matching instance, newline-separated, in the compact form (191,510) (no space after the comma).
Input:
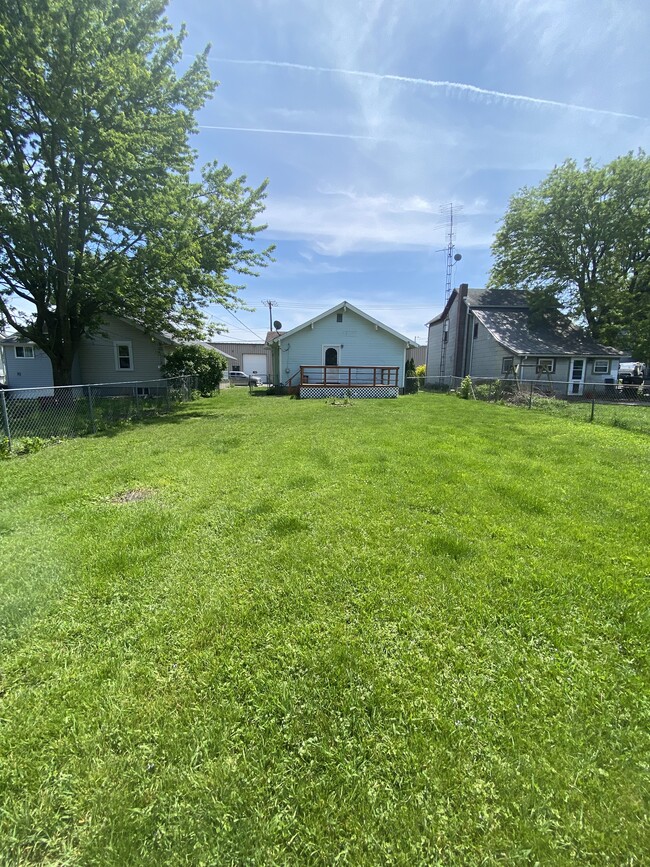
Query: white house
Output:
(341,352)
(488,333)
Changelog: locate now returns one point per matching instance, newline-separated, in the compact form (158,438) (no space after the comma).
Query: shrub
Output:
(205,365)
(410,380)
(465,388)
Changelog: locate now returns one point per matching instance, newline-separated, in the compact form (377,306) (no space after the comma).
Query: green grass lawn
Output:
(397,632)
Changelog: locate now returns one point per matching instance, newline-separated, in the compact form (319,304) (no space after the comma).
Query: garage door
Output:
(254,364)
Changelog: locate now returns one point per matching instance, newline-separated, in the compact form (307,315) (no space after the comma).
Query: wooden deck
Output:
(353,381)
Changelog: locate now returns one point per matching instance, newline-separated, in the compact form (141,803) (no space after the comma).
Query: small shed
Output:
(342,352)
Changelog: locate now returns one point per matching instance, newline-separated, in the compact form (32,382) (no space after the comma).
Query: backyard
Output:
(268,631)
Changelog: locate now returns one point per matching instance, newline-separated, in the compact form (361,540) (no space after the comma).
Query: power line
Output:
(244,325)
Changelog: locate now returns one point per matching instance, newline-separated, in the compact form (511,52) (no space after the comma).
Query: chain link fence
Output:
(619,404)
(75,410)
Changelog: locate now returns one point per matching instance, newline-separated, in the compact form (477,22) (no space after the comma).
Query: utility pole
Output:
(270,304)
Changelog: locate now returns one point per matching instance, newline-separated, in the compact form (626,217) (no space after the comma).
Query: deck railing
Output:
(343,375)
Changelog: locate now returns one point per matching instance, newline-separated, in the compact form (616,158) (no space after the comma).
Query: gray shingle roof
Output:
(512,329)
(496,298)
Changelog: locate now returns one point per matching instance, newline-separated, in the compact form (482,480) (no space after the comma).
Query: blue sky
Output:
(370,116)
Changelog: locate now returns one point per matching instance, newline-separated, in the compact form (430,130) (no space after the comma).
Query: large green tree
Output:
(101,210)
(580,240)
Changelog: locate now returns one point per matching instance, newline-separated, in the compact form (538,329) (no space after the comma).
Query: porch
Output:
(356,381)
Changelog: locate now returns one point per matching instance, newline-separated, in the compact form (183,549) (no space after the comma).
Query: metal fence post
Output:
(5,418)
(593,407)
(91,411)
(137,403)
(530,397)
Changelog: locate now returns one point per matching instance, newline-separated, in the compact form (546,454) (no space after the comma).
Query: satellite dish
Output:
(457,257)
(277,325)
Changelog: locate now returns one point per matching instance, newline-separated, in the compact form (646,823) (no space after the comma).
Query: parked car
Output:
(238,377)
(631,372)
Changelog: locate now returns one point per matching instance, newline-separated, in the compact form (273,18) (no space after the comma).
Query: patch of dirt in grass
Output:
(135,495)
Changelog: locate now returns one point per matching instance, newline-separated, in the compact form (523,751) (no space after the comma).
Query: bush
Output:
(465,388)
(205,365)
(410,380)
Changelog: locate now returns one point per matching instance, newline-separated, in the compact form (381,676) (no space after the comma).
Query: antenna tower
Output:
(452,259)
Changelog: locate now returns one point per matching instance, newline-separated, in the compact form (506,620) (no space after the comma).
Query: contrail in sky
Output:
(295,132)
(425,82)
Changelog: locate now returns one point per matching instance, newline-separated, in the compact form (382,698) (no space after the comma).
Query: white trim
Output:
(116,351)
(24,348)
(579,383)
(545,364)
(326,346)
(606,361)
(345,306)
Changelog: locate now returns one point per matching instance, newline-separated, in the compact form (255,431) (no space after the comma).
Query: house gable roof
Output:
(482,298)
(511,328)
(342,306)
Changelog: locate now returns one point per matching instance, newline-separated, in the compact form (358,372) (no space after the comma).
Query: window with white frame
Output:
(123,355)
(601,365)
(545,365)
(24,351)
(507,364)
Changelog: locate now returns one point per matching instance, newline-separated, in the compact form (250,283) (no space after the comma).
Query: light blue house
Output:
(342,352)
(119,353)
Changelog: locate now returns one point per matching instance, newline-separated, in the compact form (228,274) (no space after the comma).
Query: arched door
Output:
(331,356)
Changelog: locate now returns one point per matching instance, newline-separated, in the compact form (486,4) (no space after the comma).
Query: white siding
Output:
(361,342)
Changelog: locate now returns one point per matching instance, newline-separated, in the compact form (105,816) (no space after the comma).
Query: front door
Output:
(577,376)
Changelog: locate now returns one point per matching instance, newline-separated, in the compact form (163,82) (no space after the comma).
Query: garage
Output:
(255,363)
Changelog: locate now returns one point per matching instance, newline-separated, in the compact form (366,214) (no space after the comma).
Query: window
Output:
(339,317)
(235,367)
(507,364)
(123,355)
(24,351)
(331,357)
(601,365)
(445,336)
(475,330)
(545,365)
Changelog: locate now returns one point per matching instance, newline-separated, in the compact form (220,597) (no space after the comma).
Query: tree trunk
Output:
(61,359)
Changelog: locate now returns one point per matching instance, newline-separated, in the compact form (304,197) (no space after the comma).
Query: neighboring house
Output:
(418,354)
(487,333)
(120,352)
(250,358)
(342,352)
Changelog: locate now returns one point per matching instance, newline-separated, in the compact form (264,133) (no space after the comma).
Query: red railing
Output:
(348,376)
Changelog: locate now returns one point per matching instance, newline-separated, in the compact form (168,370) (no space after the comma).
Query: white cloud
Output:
(336,224)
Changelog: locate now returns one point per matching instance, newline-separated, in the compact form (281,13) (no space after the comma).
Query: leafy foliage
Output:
(97,210)
(581,240)
(410,381)
(465,388)
(198,361)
